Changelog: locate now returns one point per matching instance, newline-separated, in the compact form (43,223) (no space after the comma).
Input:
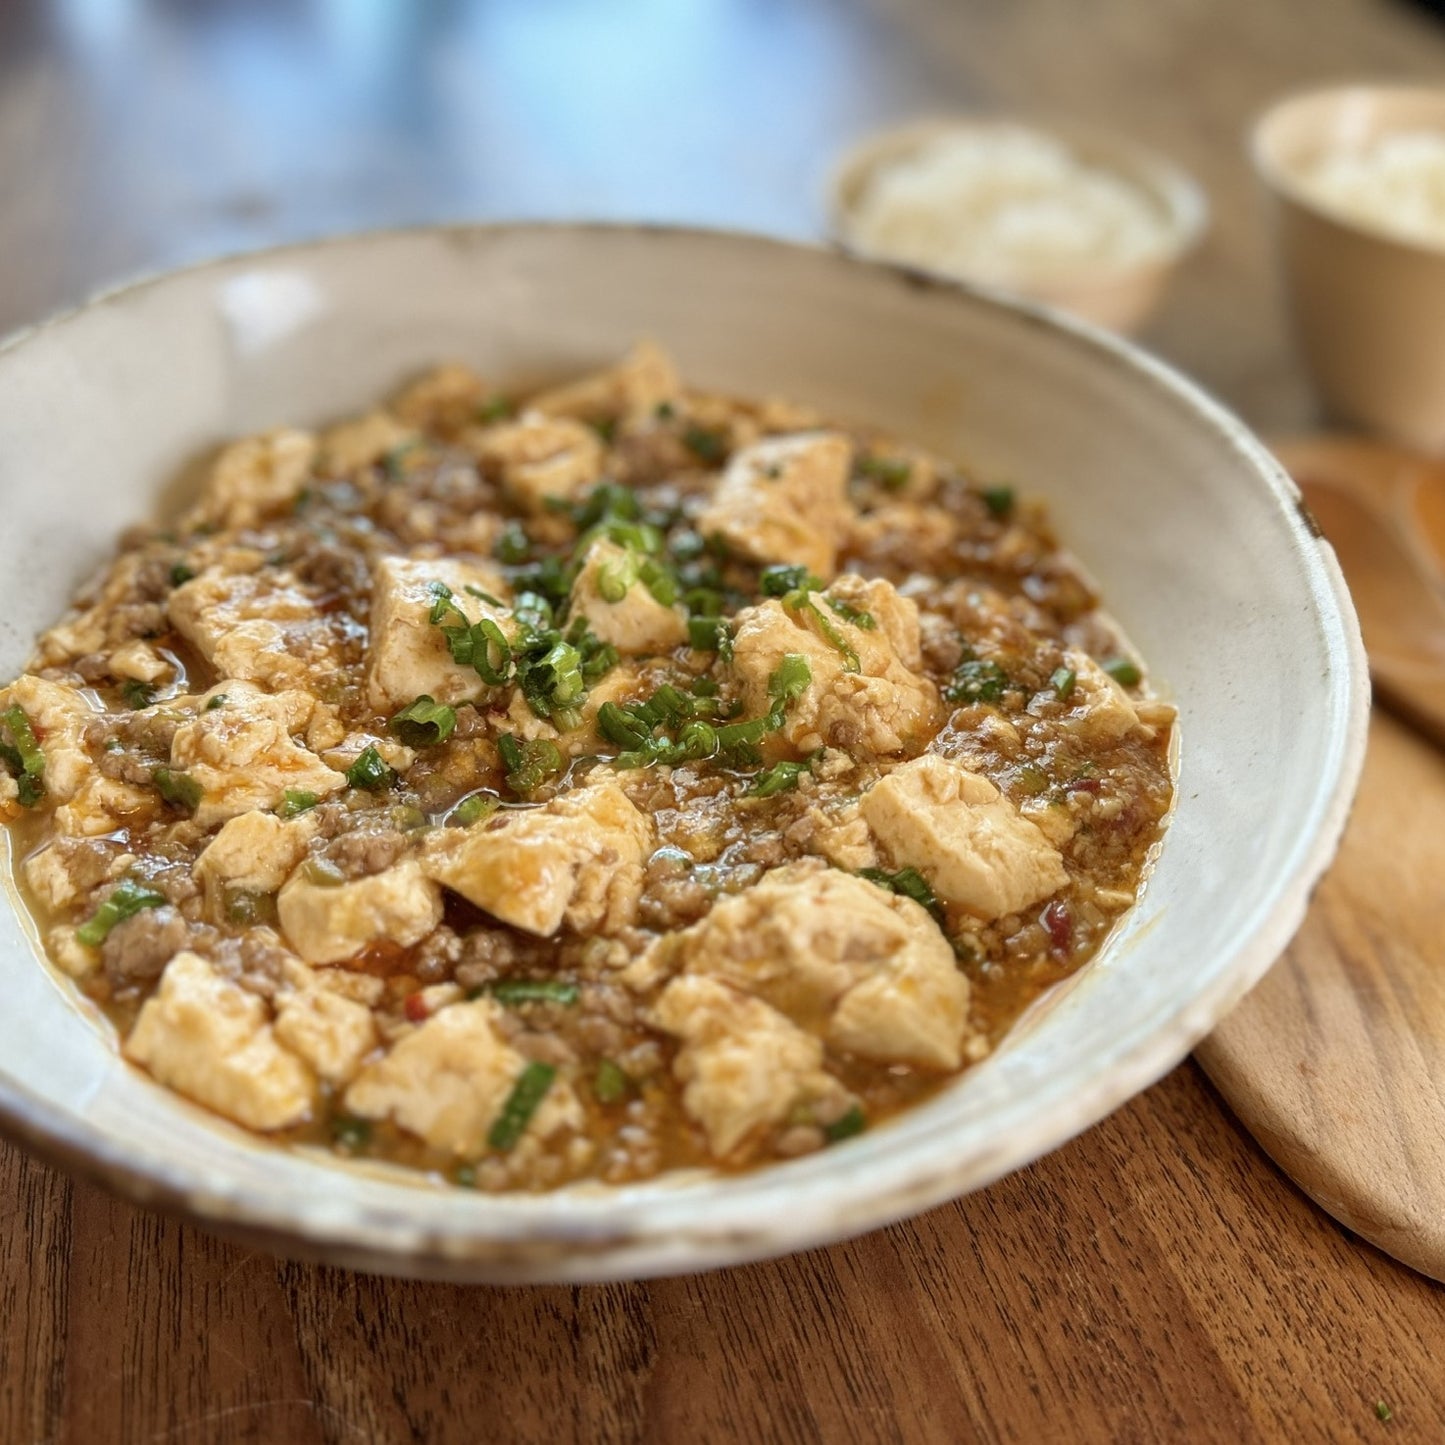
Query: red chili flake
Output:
(1058,922)
(415,1008)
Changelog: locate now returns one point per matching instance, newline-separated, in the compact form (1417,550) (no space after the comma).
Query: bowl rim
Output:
(383,1240)
(1184,200)
(1284,181)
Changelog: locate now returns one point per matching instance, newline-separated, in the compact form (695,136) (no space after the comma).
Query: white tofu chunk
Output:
(630,391)
(743,1066)
(407,655)
(882,709)
(964,836)
(362,443)
(447,398)
(1100,712)
(619,608)
(255,852)
(242,753)
(578,859)
(256,626)
(448,1082)
(333,922)
(209,1039)
(254,478)
(866,970)
(785,499)
(540,458)
(329,1033)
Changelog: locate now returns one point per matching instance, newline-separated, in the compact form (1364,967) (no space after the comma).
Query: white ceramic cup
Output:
(1368,308)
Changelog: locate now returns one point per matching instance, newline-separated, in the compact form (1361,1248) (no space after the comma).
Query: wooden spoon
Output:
(1336,1061)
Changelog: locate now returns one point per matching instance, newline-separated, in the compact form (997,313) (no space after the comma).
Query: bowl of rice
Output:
(1076,219)
(1357,175)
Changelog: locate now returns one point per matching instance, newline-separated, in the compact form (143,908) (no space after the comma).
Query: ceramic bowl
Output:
(1368,308)
(1118,297)
(1196,536)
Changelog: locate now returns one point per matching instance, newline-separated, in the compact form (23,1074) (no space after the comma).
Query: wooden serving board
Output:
(1336,1061)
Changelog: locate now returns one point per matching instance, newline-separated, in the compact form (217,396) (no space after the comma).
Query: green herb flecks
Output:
(780,778)
(474,809)
(512,546)
(891,473)
(781,579)
(709,447)
(1062,680)
(850,1124)
(295,801)
(999,501)
(180,790)
(1124,671)
(424,723)
(861,619)
(609,1084)
(23,756)
(494,409)
(370,771)
(126,899)
(180,574)
(530,763)
(137,694)
(976,680)
(513,991)
(349,1134)
(909,883)
(220,700)
(527,1094)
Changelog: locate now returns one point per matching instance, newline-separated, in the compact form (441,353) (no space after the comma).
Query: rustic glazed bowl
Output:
(1196,536)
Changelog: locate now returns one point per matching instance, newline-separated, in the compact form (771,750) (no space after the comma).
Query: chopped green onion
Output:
(975,680)
(615,576)
(851,1123)
(137,694)
(180,790)
(609,1084)
(391,463)
(790,679)
(779,580)
(664,411)
(780,778)
(1062,680)
(528,764)
(606,502)
(295,801)
(527,1093)
(370,771)
(708,634)
(534,990)
(424,723)
(473,809)
(220,700)
(999,501)
(495,408)
(512,546)
(485,596)
(126,899)
(1125,672)
(323,873)
(350,1134)
(465,1176)
(892,473)
(865,621)
(26,758)
(248,909)
(908,882)
(180,574)
(803,601)
(707,446)
(605,427)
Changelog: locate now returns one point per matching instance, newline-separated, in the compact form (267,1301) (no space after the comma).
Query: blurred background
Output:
(141,134)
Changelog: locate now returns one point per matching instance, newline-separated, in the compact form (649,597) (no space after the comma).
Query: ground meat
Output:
(333,570)
(137,950)
(492,953)
(370,848)
(436,956)
(257,960)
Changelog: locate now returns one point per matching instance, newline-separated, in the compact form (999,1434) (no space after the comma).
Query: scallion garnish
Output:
(370,771)
(861,619)
(512,545)
(137,694)
(533,990)
(126,899)
(999,501)
(180,790)
(891,473)
(1124,671)
(851,1123)
(180,574)
(528,763)
(976,680)
(295,801)
(780,778)
(1062,680)
(707,446)
(908,882)
(609,1083)
(527,1093)
(473,809)
(424,723)
(780,579)
(23,756)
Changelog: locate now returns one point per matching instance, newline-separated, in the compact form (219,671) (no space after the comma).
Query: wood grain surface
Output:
(1156,1279)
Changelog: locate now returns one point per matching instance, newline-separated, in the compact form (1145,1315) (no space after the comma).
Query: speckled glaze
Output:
(1196,536)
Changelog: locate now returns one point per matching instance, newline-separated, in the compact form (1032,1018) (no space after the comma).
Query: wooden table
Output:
(1156,1279)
